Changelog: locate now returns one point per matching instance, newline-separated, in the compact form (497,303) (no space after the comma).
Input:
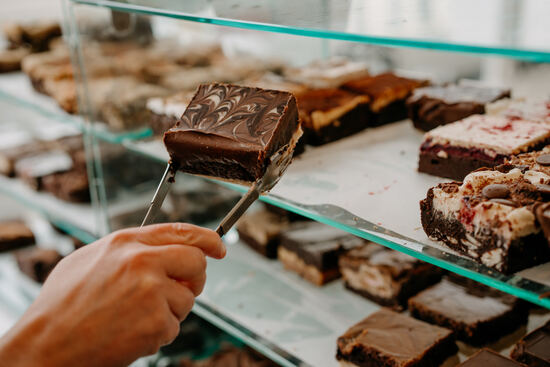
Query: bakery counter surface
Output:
(15,88)
(368,185)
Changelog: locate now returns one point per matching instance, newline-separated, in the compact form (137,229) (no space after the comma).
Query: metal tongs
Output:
(275,169)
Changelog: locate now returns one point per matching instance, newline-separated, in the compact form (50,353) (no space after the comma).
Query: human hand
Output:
(115,300)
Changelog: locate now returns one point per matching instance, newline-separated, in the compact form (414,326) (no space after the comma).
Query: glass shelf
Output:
(322,184)
(15,88)
(509,28)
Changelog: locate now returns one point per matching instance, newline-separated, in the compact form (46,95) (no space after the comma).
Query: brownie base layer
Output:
(477,334)
(291,261)
(395,111)
(423,279)
(453,167)
(434,356)
(522,253)
(268,250)
(350,123)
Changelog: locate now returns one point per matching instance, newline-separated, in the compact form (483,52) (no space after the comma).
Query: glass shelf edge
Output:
(519,54)
(107,136)
(248,337)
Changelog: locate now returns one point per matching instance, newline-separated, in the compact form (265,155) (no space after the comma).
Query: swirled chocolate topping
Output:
(243,114)
(230,131)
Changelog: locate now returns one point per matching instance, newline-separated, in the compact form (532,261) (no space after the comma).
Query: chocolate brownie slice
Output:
(430,107)
(15,234)
(32,169)
(388,338)
(164,112)
(488,358)
(231,132)
(331,114)
(330,73)
(311,249)
(456,149)
(37,262)
(261,231)
(385,276)
(387,93)
(10,60)
(534,348)
(36,35)
(477,314)
(490,217)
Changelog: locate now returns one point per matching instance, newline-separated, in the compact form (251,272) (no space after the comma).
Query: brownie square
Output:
(261,231)
(331,73)
(16,144)
(32,169)
(37,263)
(311,249)
(70,186)
(523,109)
(15,234)
(231,132)
(430,107)
(488,358)
(385,276)
(387,93)
(534,348)
(490,217)
(165,111)
(456,149)
(388,338)
(477,314)
(331,114)
(10,60)
(36,35)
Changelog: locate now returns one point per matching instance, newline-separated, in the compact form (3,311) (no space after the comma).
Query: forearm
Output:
(25,344)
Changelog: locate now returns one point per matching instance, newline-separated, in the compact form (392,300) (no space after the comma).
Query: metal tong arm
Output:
(160,195)
(238,210)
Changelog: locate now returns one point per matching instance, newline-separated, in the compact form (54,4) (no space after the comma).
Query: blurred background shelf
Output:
(16,88)
(499,27)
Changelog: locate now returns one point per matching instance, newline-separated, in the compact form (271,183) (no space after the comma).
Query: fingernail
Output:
(224,250)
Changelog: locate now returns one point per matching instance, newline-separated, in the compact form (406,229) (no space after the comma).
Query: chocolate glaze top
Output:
(392,335)
(467,303)
(242,114)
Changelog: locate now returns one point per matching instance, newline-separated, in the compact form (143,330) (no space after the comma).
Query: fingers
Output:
(182,262)
(180,299)
(196,285)
(181,234)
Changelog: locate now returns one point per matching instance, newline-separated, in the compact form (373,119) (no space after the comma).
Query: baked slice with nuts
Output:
(495,216)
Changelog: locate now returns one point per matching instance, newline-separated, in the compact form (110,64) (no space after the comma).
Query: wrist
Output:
(26,344)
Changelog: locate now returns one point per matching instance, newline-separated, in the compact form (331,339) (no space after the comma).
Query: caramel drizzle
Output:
(244,114)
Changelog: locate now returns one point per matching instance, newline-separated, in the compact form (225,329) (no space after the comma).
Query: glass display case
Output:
(135,66)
